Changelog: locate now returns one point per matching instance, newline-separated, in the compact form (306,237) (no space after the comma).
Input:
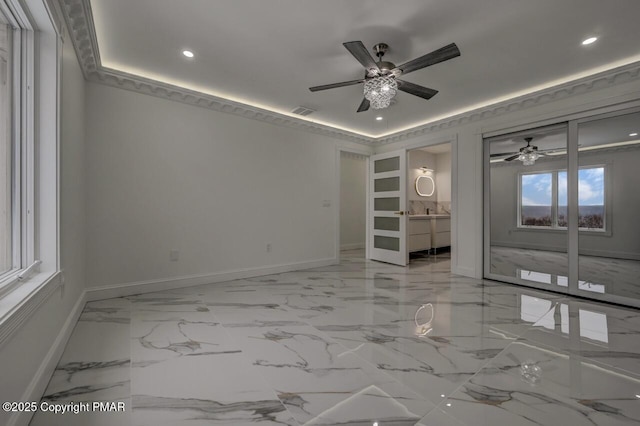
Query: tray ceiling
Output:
(267,53)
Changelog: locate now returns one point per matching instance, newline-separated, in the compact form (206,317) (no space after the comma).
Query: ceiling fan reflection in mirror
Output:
(381,79)
(527,154)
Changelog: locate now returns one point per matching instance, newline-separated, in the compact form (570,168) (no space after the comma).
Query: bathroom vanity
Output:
(432,231)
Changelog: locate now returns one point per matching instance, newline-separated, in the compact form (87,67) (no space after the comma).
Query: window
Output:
(543,199)
(28,151)
(536,205)
(7,148)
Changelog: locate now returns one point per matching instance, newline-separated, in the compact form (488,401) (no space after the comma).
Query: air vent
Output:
(303,110)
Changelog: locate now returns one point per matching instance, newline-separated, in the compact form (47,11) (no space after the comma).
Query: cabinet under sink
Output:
(429,232)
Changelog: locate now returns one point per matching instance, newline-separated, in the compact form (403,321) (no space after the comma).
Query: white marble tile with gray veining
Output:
(313,374)
(357,343)
(95,366)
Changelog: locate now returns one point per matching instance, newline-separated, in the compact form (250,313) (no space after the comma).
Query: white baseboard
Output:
(583,251)
(464,271)
(529,246)
(352,246)
(128,289)
(40,380)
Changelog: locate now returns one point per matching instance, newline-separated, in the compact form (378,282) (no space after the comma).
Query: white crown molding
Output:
(147,86)
(619,75)
(79,20)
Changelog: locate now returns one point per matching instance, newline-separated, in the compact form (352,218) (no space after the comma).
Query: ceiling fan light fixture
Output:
(380,90)
(528,158)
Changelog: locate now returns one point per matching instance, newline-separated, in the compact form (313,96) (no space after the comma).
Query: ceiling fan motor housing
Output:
(384,66)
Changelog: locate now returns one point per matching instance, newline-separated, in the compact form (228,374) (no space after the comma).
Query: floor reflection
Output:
(597,275)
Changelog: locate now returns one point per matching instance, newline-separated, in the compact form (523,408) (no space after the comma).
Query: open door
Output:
(387,205)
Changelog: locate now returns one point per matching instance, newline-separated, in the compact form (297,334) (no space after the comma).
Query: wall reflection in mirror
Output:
(609,206)
(530,208)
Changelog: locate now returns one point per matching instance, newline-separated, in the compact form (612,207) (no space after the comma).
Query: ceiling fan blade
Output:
(414,89)
(513,157)
(334,85)
(444,54)
(552,151)
(502,154)
(364,105)
(357,49)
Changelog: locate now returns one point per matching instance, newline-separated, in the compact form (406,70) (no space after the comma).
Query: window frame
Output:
(19,109)
(555,204)
(35,105)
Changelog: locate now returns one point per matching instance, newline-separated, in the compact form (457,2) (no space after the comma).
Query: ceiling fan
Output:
(381,79)
(527,154)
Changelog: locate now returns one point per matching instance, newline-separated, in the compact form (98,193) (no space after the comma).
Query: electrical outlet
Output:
(174,255)
(268,247)
(326,203)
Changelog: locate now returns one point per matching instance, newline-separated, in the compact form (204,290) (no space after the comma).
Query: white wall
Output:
(416,160)
(353,200)
(467,201)
(443,177)
(162,175)
(27,350)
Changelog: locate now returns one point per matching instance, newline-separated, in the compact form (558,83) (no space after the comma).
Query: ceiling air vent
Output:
(303,110)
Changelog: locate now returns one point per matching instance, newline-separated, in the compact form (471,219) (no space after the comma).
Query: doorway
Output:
(429,204)
(410,203)
(353,204)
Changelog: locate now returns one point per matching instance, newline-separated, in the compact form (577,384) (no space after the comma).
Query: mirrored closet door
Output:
(609,208)
(527,206)
(561,207)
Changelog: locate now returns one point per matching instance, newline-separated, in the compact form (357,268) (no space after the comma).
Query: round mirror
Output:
(425,186)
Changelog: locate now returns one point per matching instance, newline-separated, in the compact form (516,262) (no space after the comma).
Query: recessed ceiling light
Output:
(589,40)
(633,134)
(379,118)
(188,53)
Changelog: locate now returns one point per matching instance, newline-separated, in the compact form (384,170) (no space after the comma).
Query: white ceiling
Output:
(267,53)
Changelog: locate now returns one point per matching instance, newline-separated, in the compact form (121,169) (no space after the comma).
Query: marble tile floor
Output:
(360,343)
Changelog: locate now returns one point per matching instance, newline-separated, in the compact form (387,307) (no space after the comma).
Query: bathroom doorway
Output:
(429,204)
